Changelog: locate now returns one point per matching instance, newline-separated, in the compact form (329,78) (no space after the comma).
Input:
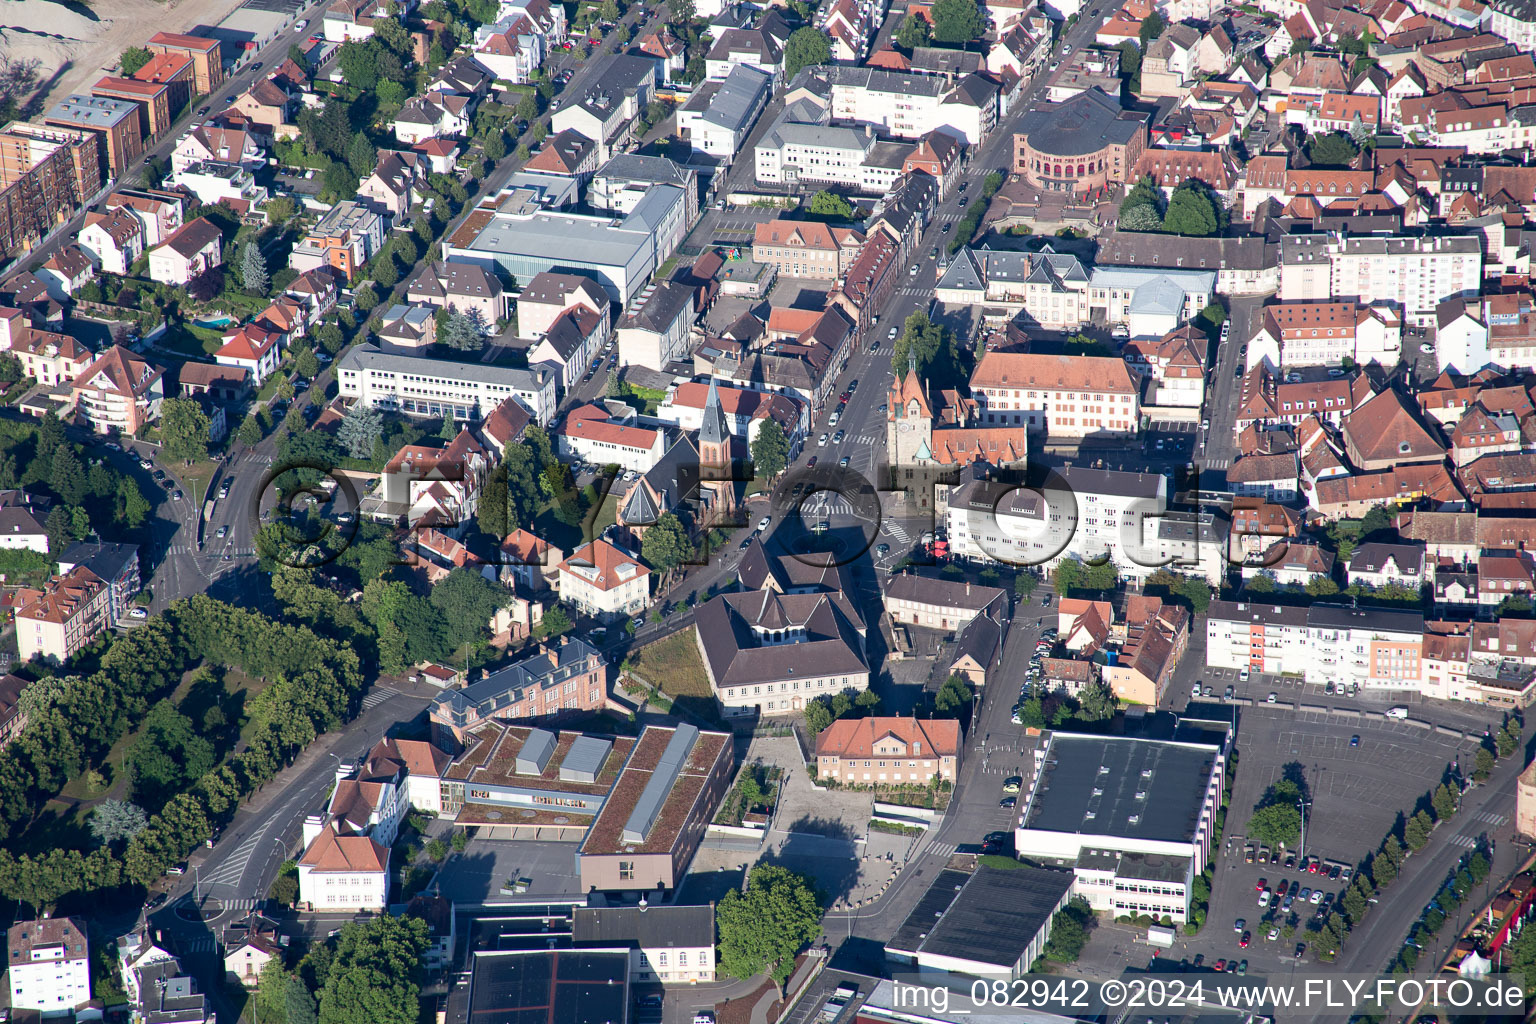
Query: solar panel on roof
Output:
(648,807)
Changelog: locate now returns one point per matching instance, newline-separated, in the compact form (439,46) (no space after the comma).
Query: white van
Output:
(1398,712)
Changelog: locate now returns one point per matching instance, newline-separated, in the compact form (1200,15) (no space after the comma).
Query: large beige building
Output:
(803,248)
(1065,396)
(1525,802)
(72,610)
(889,749)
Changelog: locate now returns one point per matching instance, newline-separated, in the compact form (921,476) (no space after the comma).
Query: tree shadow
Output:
(823,849)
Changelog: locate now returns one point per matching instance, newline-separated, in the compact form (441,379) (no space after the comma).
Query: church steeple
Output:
(714,433)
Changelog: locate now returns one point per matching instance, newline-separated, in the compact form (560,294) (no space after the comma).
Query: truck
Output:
(1397,712)
(838,1002)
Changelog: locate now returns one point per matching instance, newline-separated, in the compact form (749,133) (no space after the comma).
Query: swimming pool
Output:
(215,322)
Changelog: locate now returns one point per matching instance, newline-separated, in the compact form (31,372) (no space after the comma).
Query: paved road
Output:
(995,749)
(241,79)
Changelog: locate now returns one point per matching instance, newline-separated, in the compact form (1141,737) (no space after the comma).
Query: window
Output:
(627,874)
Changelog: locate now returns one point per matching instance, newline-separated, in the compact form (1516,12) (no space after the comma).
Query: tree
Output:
(66,477)
(360,64)
(957,22)
(1069,931)
(1416,831)
(376,975)
(253,269)
(1321,586)
(1101,576)
(1275,824)
(952,696)
(1097,702)
(914,32)
(330,337)
(665,545)
(554,623)
(608,10)
(183,430)
(770,449)
(925,341)
(364,297)
(114,820)
(496,145)
(831,205)
(132,59)
(1482,764)
(867,699)
(1331,150)
(132,507)
(807,47)
(207,284)
(682,11)
(464,331)
(1478,866)
(297,1000)
(1068,576)
(762,929)
(1191,212)
(818,715)
(466,600)
(360,429)
(1444,802)
(1142,217)
(168,753)
(1505,742)
(249,433)
(1024,584)
(1354,904)
(1151,27)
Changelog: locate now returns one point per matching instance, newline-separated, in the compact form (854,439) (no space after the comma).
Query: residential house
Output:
(560,678)
(434,486)
(115,239)
(933,603)
(66,272)
(72,611)
(158,212)
(463,287)
(548,295)
(116,563)
(47,357)
(431,117)
(212,143)
(348,236)
(13,716)
(797,248)
(568,152)
(608,107)
(119,392)
(49,965)
(197,246)
(570,345)
(1376,564)
(392,185)
(252,348)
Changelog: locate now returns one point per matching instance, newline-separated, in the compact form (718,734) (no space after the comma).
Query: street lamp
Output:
(1301,845)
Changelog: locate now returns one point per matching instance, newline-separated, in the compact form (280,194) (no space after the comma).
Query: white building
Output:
(791,153)
(1065,396)
(909,106)
(656,331)
(1514,21)
(590,435)
(1413,274)
(718,117)
(1080,513)
(1325,333)
(423,386)
(1322,643)
(961,925)
(1134,818)
(604,581)
(49,964)
(344,873)
(197,246)
(1461,341)
(115,240)
(213,182)
(670,944)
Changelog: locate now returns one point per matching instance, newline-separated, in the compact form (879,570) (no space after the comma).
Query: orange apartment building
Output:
(115,121)
(173,69)
(207,64)
(153,101)
(70,613)
(46,174)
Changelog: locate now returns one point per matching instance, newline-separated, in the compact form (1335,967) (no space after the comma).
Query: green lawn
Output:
(189,339)
(674,665)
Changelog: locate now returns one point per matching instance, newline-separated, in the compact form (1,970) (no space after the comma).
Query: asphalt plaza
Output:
(477,875)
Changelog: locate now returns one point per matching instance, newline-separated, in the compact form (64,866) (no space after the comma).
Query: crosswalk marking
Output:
(379,695)
(941,849)
(1217,463)
(201,944)
(897,530)
(1491,818)
(1465,841)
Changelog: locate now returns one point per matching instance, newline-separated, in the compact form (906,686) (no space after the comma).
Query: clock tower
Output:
(909,422)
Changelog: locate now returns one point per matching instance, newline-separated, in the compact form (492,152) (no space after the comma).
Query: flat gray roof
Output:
(369,357)
(561,237)
(992,919)
(1117,786)
(91,111)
